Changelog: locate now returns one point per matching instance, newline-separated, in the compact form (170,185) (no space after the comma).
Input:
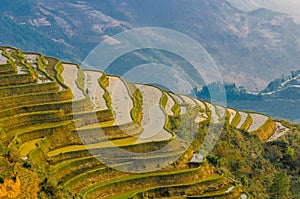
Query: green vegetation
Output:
(247,123)
(281,185)
(80,80)
(104,82)
(266,130)
(180,188)
(34,98)
(176,108)
(163,100)
(236,120)
(254,163)
(136,112)
(58,69)
(27,89)
(162,178)
(232,92)
(175,120)
(50,145)
(172,122)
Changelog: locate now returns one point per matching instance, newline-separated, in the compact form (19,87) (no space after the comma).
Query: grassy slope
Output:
(237,154)
(254,163)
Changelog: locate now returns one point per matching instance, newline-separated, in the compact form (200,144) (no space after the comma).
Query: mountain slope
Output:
(290,7)
(250,49)
(280,85)
(66,130)
(26,37)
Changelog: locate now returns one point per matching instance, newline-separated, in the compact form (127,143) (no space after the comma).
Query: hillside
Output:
(65,133)
(250,48)
(290,7)
(287,86)
(282,93)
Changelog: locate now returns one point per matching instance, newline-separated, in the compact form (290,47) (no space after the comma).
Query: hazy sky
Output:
(291,7)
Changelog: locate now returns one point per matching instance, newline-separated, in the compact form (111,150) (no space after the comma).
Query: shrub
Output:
(104,82)
(136,112)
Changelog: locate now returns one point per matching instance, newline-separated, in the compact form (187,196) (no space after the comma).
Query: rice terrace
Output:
(52,113)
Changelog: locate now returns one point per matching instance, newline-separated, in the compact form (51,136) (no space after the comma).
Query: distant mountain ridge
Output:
(250,48)
(290,7)
(280,99)
(284,87)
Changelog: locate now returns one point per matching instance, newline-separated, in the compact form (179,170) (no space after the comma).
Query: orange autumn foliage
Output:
(10,188)
(29,183)
(25,186)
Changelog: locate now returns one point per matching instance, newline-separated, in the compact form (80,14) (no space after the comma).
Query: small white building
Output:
(24,158)
(197,158)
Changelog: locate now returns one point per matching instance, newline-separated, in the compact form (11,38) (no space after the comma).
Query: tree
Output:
(281,186)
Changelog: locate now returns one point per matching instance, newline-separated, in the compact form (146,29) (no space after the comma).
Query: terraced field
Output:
(243,119)
(69,75)
(213,112)
(232,114)
(258,121)
(61,119)
(121,101)
(94,90)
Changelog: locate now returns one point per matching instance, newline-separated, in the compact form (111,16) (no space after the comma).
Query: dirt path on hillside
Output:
(280,131)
